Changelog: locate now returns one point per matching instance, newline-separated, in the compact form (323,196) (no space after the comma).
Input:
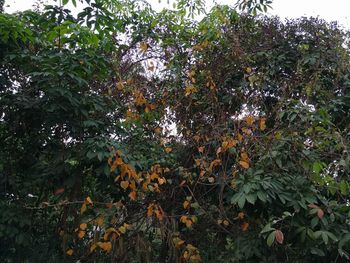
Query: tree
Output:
(134,136)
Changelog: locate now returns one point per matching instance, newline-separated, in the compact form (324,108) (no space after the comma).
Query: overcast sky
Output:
(329,10)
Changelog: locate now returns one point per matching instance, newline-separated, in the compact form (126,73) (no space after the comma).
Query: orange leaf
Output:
(179,243)
(201,149)
(99,221)
(106,246)
(150,210)
(158,130)
(83,209)
(240,215)
(83,226)
(189,223)
(320,213)
(161,181)
(132,195)
(81,234)
(59,191)
(168,150)
(218,151)
(244,164)
(93,247)
(183,219)
(279,236)
(124,184)
(214,163)
(186,204)
(88,201)
(245,226)
(69,252)
(159,214)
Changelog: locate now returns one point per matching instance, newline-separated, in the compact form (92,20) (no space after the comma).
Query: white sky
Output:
(329,10)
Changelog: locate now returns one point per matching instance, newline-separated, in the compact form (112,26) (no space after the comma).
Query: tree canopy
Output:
(129,135)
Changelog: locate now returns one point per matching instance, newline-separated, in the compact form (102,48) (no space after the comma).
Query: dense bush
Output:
(128,135)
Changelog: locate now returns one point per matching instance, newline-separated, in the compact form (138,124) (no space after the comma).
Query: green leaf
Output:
(241,201)
(271,238)
(267,228)
(325,237)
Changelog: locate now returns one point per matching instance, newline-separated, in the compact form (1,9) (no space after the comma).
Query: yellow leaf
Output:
(69,252)
(244,164)
(120,85)
(124,184)
(109,205)
(249,120)
(195,258)
(83,226)
(244,156)
(262,124)
(143,46)
(81,234)
(83,209)
(122,229)
(186,204)
(186,255)
(189,90)
(248,70)
(247,131)
(106,246)
(168,150)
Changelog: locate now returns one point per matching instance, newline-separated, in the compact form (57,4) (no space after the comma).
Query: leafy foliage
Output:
(134,136)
